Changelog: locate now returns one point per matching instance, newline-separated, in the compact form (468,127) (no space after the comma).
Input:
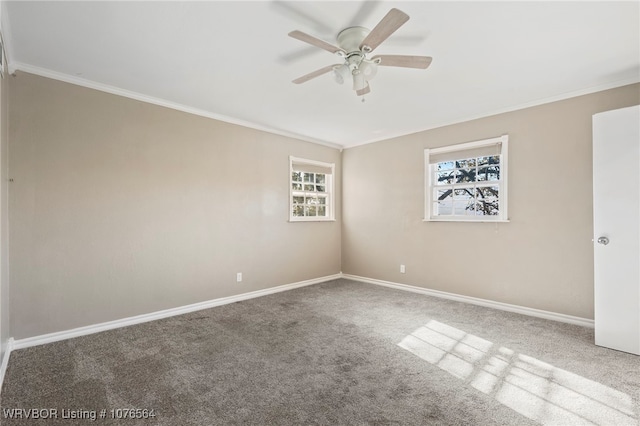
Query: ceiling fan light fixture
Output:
(359,82)
(369,69)
(341,73)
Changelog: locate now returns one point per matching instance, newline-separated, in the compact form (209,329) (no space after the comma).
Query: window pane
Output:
(470,210)
(446,165)
(443,208)
(320,178)
(488,208)
(462,194)
(296,176)
(493,159)
(463,202)
(466,175)
(488,173)
(298,200)
(443,178)
(442,194)
(488,193)
(310,210)
(308,177)
(322,200)
(296,186)
(466,163)
(475,210)
(308,187)
(320,188)
(298,210)
(487,201)
(322,211)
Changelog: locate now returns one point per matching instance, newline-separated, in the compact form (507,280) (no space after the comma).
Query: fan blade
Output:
(387,26)
(364,91)
(299,15)
(298,54)
(406,40)
(366,8)
(315,74)
(299,35)
(421,62)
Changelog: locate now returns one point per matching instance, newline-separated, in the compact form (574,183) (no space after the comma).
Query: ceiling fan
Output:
(354,46)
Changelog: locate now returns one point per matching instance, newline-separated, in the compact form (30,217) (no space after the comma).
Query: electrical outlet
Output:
(402,269)
(239,277)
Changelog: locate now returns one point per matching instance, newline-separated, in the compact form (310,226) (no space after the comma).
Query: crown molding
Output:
(55,75)
(517,107)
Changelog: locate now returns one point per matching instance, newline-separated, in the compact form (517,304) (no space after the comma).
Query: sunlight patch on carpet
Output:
(533,388)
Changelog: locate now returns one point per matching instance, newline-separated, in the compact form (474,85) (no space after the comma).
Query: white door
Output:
(616,224)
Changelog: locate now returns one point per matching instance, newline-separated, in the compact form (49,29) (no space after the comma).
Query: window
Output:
(467,182)
(311,186)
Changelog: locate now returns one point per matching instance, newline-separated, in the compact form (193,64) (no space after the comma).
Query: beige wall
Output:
(4,216)
(120,208)
(542,259)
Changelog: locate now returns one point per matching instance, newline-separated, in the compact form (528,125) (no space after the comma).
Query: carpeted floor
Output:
(340,352)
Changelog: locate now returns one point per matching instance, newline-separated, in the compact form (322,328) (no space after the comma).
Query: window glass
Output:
(311,190)
(467,181)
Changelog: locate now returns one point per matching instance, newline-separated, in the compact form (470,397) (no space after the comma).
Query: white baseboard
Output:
(476,301)
(124,322)
(5,360)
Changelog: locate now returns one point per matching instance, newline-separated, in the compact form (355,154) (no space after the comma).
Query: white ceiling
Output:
(233,60)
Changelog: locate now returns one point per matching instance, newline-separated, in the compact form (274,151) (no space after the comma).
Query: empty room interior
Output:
(319,212)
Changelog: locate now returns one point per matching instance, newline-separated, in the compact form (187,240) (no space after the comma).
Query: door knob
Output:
(603,240)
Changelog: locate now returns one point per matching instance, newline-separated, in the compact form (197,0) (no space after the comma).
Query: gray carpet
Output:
(340,352)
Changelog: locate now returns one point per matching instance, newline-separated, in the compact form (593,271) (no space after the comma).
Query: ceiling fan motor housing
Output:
(351,38)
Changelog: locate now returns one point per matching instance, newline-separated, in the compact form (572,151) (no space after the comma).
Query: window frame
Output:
(502,183)
(329,190)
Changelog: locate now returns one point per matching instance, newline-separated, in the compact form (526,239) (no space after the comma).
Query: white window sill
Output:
(310,220)
(468,220)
